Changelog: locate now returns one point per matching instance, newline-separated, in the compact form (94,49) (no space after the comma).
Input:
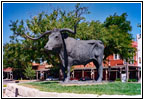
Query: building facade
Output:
(42,70)
(8,73)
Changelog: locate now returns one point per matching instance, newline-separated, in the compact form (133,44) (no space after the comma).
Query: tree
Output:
(119,39)
(22,51)
(29,72)
(114,32)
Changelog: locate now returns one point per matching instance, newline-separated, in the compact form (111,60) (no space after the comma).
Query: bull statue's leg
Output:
(63,67)
(63,71)
(68,74)
(100,73)
(69,64)
(99,67)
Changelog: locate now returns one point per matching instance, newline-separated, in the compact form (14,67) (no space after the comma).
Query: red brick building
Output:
(7,73)
(39,68)
(42,70)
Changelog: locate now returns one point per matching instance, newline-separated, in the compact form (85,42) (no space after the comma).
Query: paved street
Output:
(6,81)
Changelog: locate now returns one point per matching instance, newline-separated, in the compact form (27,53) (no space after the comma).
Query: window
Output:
(116,56)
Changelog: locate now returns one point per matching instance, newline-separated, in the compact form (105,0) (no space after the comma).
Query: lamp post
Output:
(109,69)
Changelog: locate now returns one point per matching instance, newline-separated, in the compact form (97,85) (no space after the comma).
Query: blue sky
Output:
(99,11)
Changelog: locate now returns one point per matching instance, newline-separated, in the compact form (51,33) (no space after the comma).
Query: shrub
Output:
(132,80)
(118,79)
(29,72)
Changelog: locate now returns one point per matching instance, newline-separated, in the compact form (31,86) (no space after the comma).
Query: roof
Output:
(113,67)
(9,69)
(87,66)
(35,64)
(43,67)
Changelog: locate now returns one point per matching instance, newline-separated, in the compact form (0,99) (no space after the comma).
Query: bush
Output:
(118,79)
(132,80)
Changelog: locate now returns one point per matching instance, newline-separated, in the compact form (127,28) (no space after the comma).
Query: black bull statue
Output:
(74,52)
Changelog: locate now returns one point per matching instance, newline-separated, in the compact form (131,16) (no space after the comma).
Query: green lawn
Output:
(107,88)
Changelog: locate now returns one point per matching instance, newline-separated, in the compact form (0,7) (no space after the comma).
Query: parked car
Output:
(50,78)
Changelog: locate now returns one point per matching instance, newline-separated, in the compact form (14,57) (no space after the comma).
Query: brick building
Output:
(41,70)
(7,73)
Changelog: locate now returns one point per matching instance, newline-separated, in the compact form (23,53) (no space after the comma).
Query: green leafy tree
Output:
(29,72)
(114,32)
(22,51)
(119,39)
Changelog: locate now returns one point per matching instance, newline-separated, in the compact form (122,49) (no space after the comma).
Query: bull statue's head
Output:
(55,38)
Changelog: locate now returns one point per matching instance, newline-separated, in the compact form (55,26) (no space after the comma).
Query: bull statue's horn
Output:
(47,32)
(67,29)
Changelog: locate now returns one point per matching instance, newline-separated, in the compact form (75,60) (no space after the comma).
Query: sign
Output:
(123,77)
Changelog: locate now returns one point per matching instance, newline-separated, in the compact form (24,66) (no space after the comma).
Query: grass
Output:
(111,88)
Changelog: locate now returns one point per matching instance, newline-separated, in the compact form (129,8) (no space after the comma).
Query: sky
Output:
(99,11)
